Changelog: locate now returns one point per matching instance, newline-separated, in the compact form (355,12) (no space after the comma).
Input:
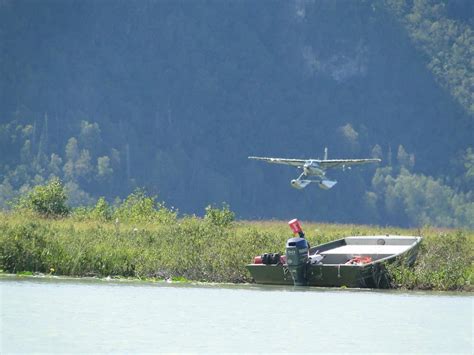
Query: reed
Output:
(203,249)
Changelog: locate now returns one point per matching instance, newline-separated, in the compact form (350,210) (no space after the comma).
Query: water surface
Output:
(57,315)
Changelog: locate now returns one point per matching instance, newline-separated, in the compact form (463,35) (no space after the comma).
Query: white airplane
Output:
(316,168)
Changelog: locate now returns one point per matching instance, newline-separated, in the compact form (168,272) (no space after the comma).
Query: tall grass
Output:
(203,249)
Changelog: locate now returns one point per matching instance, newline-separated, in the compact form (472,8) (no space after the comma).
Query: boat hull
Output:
(373,276)
(370,275)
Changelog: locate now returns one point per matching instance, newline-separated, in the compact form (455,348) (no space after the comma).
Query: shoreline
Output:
(193,249)
(225,285)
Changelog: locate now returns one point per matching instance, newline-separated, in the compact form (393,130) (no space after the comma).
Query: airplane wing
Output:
(292,162)
(336,163)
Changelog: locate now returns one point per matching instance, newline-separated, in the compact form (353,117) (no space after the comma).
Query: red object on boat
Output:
(295,226)
(257,260)
(356,260)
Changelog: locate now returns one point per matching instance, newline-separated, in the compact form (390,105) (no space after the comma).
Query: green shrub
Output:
(47,200)
(222,217)
(22,247)
(138,207)
(197,249)
(444,262)
(102,211)
(81,213)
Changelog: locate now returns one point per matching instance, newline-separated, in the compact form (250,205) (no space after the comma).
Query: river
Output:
(73,315)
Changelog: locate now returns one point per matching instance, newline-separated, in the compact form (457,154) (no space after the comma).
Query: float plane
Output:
(316,168)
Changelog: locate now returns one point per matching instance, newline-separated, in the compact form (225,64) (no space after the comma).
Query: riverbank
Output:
(197,249)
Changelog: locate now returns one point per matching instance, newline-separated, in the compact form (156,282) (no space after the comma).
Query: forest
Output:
(173,96)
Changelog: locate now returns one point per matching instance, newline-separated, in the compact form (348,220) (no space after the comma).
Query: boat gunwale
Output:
(416,242)
(313,250)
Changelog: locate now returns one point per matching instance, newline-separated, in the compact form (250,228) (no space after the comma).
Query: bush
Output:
(102,210)
(219,217)
(196,249)
(22,247)
(444,262)
(138,207)
(47,200)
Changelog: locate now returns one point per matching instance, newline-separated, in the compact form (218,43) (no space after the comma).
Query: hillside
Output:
(174,95)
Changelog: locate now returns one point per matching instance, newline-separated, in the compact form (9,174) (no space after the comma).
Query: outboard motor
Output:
(297,254)
(297,259)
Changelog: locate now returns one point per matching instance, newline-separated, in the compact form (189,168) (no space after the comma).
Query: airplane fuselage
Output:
(312,168)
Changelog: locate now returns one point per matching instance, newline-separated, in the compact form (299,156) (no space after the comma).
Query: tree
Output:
(404,159)
(90,135)
(469,164)
(417,200)
(83,165)
(47,200)
(7,193)
(43,143)
(25,153)
(377,152)
(76,196)
(55,163)
(350,137)
(72,149)
(72,155)
(103,168)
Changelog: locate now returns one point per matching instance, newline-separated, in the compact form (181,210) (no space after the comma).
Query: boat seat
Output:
(330,259)
(353,249)
(385,240)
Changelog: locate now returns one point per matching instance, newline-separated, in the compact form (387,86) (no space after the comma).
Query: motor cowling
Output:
(297,259)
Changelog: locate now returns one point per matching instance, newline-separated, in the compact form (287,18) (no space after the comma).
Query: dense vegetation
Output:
(113,95)
(141,238)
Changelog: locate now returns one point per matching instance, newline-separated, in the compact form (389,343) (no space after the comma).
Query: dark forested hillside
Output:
(174,95)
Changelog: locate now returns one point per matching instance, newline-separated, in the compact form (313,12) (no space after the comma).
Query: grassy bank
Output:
(203,250)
